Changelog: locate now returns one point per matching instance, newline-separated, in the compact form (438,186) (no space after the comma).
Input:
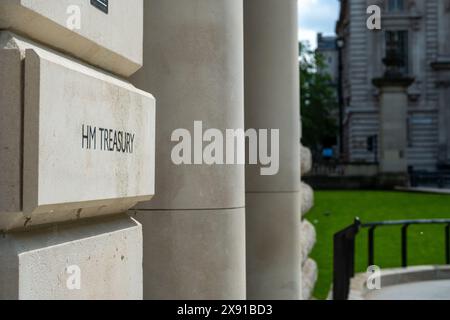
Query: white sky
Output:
(316,16)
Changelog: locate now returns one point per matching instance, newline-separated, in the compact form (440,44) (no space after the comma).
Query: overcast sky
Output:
(316,16)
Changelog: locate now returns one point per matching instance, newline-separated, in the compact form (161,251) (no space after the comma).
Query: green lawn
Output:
(335,210)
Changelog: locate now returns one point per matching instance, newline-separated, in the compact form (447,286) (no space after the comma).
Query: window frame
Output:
(395,6)
(405,48)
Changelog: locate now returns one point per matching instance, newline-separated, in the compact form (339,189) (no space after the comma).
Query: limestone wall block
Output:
(111,41)
(197,255)
(273,209)
(85,260)
(308,239)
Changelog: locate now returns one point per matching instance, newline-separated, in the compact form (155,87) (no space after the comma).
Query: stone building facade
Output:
(91,204)
(419,32)
(327,47)
(76,139)
(310,270)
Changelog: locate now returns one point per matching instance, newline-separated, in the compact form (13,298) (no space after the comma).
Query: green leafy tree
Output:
(318,101)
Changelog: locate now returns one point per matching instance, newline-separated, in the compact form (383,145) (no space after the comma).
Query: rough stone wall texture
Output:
(308,232)
(307,198)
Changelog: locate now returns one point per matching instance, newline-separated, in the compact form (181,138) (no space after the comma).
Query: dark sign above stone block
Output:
(102,5)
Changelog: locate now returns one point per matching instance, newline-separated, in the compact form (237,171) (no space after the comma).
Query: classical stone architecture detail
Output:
(308,232)
(393,131)
(59,126)
(307,194)
(305,160)
(308,239)
(93,204)
(194,228)
(111,41)
(309,279)
(419,33)
(39,264)
(77,151)
(272,101)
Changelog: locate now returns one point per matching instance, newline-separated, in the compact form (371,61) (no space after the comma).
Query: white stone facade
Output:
(92,205)
(78,150)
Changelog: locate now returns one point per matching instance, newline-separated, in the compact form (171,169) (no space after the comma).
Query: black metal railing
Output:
(344,249)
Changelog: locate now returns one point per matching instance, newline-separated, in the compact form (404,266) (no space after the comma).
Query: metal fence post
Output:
(372,246)
(405,245)
(344,260)
(447,243)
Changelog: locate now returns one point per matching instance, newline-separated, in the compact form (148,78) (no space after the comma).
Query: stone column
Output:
(273,212)
(194,228)
(393,140)
(443,120)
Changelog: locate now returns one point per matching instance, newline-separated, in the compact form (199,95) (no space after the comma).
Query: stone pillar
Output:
(393,140)
(194,228)
(442,69)
(273,211)
(443,120)
(65,188)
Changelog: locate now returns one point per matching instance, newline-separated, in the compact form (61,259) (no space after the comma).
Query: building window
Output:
(397,49)
(396,5)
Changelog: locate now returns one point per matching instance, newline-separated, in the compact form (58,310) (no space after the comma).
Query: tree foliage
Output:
(318,101)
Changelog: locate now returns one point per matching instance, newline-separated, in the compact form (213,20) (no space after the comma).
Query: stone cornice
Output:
(393,81)
(441,65)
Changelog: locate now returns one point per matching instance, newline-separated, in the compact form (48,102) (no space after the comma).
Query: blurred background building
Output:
(419,34)
(328,48)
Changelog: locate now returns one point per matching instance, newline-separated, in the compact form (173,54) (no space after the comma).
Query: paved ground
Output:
(429,290)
